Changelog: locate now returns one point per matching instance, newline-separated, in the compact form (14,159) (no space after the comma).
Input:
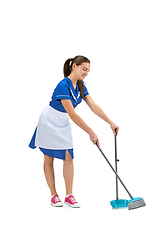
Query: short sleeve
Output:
(62,92)
(85,91)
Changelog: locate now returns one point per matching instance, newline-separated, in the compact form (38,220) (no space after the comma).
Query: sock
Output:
(68,195)
(53,195)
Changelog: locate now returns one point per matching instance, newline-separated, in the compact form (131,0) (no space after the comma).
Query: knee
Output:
(68,157)
(48,160)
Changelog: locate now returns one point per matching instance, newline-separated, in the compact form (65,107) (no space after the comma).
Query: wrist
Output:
(90,131)
(110,122)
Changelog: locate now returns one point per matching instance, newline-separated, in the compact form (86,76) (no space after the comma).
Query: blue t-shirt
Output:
(65,90)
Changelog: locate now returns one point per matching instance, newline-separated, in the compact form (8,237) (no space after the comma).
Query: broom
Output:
(133,203)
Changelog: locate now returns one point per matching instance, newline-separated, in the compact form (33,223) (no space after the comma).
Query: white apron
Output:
(54,130)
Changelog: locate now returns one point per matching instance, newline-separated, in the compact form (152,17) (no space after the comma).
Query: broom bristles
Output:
(133,204)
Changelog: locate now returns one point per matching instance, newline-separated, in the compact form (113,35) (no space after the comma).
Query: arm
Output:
(78,120)
(99,112)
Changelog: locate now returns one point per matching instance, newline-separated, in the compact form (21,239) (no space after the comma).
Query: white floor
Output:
(26,213)
(32,219)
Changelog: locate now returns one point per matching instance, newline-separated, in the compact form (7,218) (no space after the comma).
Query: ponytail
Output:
(81,87)
(67,69)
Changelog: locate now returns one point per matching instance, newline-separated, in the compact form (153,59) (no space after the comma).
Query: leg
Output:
(49,174)
(68,172)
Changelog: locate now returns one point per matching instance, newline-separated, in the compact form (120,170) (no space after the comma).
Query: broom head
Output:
(136,203)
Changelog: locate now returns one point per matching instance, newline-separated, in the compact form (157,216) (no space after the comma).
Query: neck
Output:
(73,79)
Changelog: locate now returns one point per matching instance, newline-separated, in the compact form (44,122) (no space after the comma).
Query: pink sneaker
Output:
(70,200)
(56,202)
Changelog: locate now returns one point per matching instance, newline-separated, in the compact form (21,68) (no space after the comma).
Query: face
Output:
(82,70)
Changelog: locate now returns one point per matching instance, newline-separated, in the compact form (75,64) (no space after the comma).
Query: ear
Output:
(74,66)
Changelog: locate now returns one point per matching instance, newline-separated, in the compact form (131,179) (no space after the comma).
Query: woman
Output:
(53,133)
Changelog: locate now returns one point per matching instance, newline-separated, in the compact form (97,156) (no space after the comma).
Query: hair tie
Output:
(70,62)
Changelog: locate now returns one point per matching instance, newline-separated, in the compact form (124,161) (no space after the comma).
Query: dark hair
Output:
(67,69)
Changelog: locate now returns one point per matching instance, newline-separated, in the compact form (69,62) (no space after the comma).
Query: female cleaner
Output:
(53,133)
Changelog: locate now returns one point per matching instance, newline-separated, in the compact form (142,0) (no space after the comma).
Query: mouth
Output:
(83,76)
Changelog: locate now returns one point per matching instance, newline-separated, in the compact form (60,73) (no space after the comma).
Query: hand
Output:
(113,127)
(94,138)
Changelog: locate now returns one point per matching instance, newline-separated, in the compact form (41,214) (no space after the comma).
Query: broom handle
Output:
(115,140)
(114,172)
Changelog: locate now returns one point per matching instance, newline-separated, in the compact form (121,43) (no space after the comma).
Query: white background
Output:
(121,38)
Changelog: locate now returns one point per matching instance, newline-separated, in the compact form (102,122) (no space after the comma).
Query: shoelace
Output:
(56,198)
(73,199)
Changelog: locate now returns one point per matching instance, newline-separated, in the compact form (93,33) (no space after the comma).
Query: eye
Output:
(86,69)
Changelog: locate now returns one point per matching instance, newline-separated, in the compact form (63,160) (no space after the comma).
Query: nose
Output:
(86,73)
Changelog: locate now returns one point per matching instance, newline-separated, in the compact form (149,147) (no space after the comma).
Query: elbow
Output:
(73,116)
(93,108)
